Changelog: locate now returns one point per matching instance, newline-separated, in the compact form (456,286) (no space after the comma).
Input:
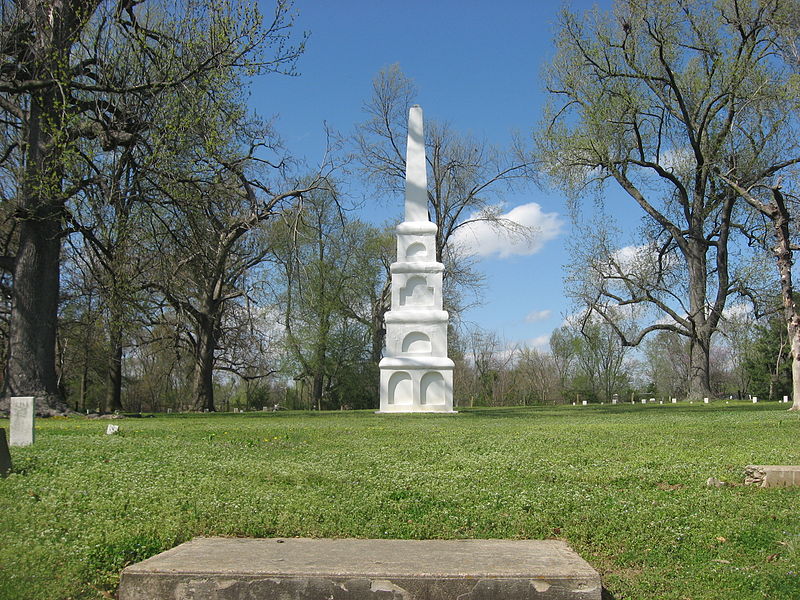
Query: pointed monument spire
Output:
(416,177)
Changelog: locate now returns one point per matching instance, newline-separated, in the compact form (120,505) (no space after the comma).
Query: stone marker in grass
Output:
(772,475)
(352,569)
(22,411)
(5,455)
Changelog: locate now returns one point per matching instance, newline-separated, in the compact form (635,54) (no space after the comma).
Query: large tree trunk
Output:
(203,385)
(317,388)
(783,255)
(699,371)
(796,368)
(114,383)
(700,343)
(31,367)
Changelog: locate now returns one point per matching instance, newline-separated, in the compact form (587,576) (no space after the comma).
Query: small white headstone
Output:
(705,400)
(652,399)
(614,401)
(584,402)
(786,398)
(644,400)
(755,399)
(112,429)
(169,410)
(661,402)
(674,400)
(263,409)
(205,410)
(22,412)
(573,404)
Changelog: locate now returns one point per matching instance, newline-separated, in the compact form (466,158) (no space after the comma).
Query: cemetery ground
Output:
(624,485)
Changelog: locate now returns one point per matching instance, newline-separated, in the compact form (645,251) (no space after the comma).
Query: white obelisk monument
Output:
(416,375)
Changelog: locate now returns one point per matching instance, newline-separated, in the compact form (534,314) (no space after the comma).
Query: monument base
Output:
(416,385)
(352,569)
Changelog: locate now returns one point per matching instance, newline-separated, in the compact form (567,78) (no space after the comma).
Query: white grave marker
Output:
(755,399)
(584,403)
(674,400)
(22,411)
(112,429)
(705,400)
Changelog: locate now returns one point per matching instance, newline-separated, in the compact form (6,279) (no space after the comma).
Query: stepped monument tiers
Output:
(416,375)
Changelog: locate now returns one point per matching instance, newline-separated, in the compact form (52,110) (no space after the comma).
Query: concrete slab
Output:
(352,569)
(772,475)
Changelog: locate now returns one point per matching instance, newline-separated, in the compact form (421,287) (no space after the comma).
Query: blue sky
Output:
(477,66)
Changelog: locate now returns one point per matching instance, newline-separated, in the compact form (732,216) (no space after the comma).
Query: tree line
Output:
(161,246)
(587,362)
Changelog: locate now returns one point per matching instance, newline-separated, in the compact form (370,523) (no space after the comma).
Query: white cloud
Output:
(480,238)
(541,342)
(538,315)
(627,255)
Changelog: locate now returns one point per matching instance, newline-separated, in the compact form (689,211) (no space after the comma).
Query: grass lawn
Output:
(624,485)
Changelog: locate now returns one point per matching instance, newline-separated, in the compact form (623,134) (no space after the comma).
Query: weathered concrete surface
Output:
(772,475)
(5,455)
(350,569)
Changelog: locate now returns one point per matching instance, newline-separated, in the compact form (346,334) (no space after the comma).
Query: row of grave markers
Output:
(23,408)
(674,401)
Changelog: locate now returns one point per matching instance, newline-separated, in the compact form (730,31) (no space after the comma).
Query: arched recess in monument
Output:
(417,342)
(416,292)
(416,251)
(432,389)
(401,389)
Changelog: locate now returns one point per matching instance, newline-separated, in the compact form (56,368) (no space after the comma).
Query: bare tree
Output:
(657,97)
(210,236)
(539,376)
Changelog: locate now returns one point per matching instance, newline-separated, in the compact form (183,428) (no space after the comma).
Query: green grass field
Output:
(624,485)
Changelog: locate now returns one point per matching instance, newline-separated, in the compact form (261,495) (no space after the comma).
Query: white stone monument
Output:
(22,412)
(416,375)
